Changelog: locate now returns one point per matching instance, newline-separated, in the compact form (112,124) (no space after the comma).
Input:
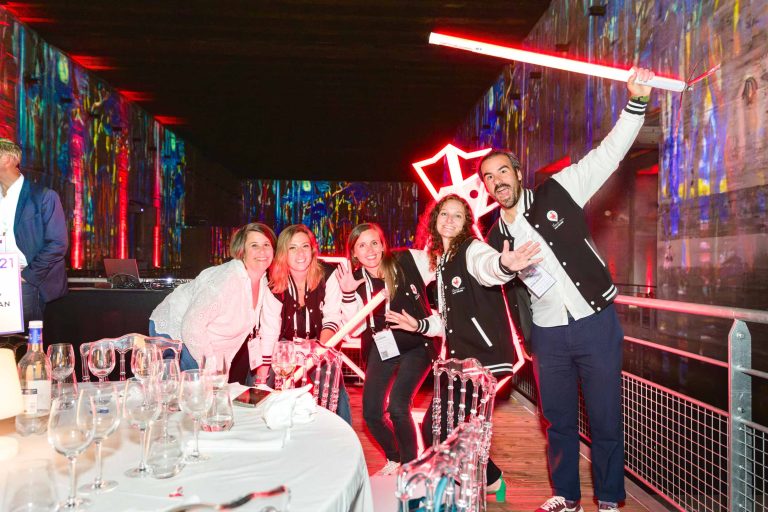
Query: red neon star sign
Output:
(471,189)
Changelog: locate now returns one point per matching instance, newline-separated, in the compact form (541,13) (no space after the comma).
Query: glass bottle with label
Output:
(35,380)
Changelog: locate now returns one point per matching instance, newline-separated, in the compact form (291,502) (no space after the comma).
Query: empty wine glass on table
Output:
(141,405)
(101,359)
(62,356)
(283,363)
(219,416)
(142,357)
(71,429)
(166,375)
(107,419)
(195,398)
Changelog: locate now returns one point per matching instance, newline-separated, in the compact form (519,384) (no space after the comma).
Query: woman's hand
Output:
(261,374)
(346,279)
(402,321)
(521,257)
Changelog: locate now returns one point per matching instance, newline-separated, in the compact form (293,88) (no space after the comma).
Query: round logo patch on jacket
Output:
(456,282)
(552,216)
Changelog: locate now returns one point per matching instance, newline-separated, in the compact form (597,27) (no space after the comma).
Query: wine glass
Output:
(32,488)
(71,429)
(142,357)
(283,362)
(101,358)
(195,397)
(62,356)
(105,400)
(219,416)
(166,375)
(140,406)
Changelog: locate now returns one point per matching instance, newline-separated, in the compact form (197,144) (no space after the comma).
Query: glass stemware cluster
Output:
(93,413)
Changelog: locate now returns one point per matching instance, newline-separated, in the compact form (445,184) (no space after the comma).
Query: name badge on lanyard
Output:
(385,340)
(535,277)
(386,344)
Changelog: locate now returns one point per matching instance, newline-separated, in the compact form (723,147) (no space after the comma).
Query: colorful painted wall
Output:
(712,244)
(332,208)
(120,174)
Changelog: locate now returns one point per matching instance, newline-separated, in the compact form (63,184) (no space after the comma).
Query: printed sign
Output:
(11,309)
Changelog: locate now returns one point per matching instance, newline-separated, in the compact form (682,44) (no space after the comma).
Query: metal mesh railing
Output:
(675,445)
(749,489)
(525,382)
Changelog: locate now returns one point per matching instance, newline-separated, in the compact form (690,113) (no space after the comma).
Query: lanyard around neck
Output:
(295,292)
(369,294)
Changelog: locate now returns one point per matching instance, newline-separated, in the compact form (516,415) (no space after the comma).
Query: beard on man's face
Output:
(506,194)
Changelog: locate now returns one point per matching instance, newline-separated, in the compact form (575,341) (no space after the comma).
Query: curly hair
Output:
(430,239)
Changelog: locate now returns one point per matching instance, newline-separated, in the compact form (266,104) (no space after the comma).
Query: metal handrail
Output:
(677,351)
(746,315)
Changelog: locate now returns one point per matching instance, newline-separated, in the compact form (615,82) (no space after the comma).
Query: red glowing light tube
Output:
(550,61)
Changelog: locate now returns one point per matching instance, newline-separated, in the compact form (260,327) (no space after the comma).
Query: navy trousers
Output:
(588,351)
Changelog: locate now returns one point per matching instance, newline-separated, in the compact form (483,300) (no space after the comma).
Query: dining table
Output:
(321,463)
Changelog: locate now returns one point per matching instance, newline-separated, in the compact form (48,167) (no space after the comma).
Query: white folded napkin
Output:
(253,440)
(284,409)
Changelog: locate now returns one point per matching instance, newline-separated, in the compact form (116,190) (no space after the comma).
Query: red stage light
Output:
(136,96)
(170,120)
(93,63)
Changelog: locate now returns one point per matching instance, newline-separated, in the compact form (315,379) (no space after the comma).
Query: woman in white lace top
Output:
(227,306)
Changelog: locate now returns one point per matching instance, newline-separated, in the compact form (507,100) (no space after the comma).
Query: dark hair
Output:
(499,152)
(429,238)
(390,269)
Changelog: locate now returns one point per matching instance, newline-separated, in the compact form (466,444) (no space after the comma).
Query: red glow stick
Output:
(550,61)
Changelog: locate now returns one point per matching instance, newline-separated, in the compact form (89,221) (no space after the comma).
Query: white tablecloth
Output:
(322,464)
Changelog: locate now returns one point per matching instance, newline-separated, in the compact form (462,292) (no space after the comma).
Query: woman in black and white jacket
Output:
(472,313)
(397,361)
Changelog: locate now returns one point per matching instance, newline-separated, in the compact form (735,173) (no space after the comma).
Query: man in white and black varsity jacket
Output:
(575,333)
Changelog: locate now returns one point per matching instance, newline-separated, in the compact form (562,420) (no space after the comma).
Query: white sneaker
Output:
(389,468)
(560,504)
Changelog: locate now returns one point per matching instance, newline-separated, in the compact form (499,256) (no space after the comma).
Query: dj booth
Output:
(89,312)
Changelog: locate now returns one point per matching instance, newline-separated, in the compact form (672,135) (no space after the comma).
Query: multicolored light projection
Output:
(99,151)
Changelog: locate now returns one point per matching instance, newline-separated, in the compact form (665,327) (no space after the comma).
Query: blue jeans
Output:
(587,351)
(186,361)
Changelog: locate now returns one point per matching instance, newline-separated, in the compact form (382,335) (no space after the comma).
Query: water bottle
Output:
(35,380)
